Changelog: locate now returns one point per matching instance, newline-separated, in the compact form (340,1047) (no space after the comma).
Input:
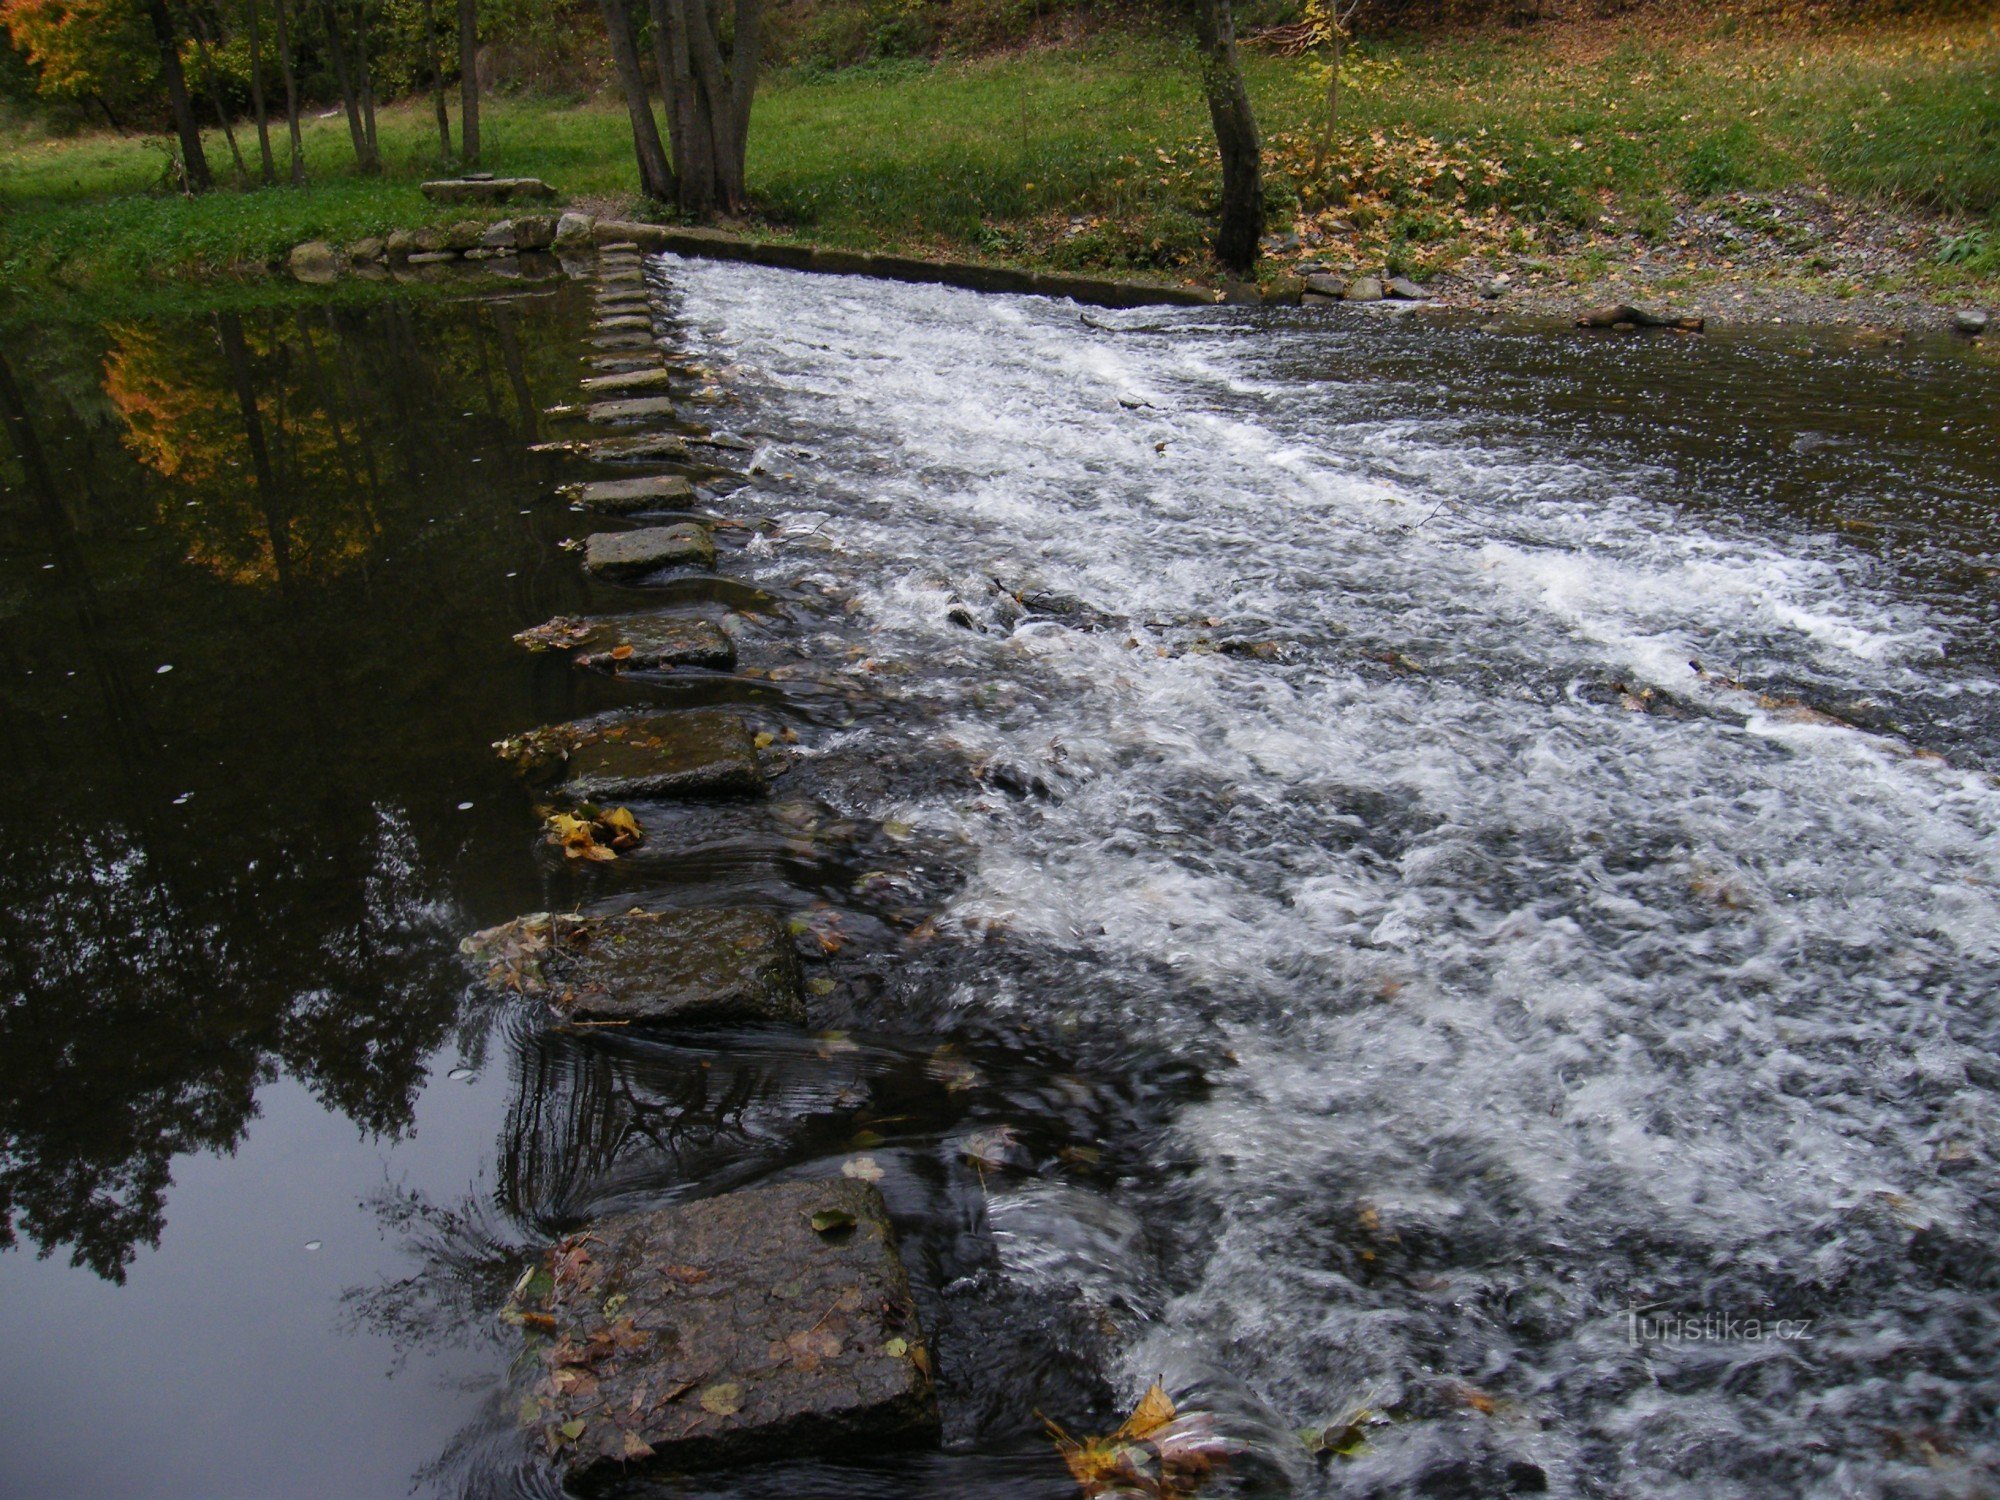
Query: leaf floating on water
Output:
(573,1428)
(897,1348)
(765,739)
(862,1168)
(723,1400)
(563,633)
(827,1221)
(995,1147)
(1156,1452)
(621,653)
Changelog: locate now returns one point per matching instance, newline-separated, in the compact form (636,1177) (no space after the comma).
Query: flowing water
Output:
(1432,888)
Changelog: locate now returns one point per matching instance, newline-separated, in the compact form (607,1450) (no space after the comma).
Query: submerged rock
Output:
(766,1323)
(684,967)
(701,753)
(634,409)
(633,554)
(1623,314)
(615,643)
(624,496)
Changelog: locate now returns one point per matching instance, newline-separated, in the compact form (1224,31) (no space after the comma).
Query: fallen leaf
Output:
(832,1220)
(573,1428)
(637,1447)
(723,1400)
(862,1168)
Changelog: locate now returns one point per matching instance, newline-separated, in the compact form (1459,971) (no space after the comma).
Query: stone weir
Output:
(769,1321)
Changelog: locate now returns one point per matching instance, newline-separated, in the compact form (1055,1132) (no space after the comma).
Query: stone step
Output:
(630,380)
(699,753)
(622,555)
(631,409)
(625,323)
(644,642)
(624,496)
(771,1322)
(700,966)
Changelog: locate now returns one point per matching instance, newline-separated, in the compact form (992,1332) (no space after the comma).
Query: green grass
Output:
(1098,156)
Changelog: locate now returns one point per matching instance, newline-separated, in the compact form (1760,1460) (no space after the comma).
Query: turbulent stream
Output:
(1431,887)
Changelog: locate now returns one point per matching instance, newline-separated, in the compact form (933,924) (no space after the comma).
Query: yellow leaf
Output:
(1154,1411)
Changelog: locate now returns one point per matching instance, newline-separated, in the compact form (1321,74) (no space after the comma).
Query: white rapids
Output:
(1548,1005)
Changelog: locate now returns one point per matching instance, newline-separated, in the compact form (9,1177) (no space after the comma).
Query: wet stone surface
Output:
(635,642)
(695,754)
(694,967)
(633,554)
(726,1330)
(633,410)
(624,496)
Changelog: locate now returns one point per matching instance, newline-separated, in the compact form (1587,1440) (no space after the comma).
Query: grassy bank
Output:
(1871,156)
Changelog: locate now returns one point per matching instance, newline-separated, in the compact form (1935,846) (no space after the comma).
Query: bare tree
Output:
(365,69)
(436,60)
(291,91)
(270,169)
(656,178)
(1333,20)
(194,162)
(709,91)
(1242,225)
(468,81)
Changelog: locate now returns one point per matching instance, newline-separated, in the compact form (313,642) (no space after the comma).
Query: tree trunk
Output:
(291,93)
(436,61)
(365,67)
(344,76)
(468,80)
(215,98)
(708,97)
(656,178)
(270,167)
(1235,125)
(193,161)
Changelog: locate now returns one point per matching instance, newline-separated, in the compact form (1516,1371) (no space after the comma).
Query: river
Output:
(1433,887)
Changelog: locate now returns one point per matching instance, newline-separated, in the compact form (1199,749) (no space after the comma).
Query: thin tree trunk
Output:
(468,81)
(344,76)
(270,167)
(712,88)
(291,93)
(194,162)
(436,60)
(201,51)
(656,178)
(366,68)
(745,63)
(694,184)
(1235,125)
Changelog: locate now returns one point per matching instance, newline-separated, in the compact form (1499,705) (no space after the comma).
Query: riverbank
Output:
(1841,176)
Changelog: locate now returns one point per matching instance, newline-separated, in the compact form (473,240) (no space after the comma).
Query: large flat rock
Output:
(696,967)
(623,496)
(630,409)
(700,753)
(633,554)
(630,380)
(648,642)
(487,190)
(641,446)
(727,1330)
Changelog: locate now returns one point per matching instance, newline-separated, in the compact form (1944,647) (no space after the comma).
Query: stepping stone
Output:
(609,341)
(645,445)
(630,380)
(623,496)
(697,967)
(736,1331)
(636,409)
(620,555)
(613,643)
(632,277)
(700,753)
(625,322)
(625,303)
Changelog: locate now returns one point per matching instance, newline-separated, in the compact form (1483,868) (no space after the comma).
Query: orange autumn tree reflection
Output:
(247,425)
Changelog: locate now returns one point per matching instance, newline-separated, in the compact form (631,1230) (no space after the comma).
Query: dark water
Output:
(1372,1020)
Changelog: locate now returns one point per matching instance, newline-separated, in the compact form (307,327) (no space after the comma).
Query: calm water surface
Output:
(1472,837)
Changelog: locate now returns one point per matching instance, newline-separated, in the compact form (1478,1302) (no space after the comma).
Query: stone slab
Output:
(639,642)
(633,409)
(488,190)
(624,496)
(735,1331)
(630,380)
(619,555)
(700,753)
(645,445)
